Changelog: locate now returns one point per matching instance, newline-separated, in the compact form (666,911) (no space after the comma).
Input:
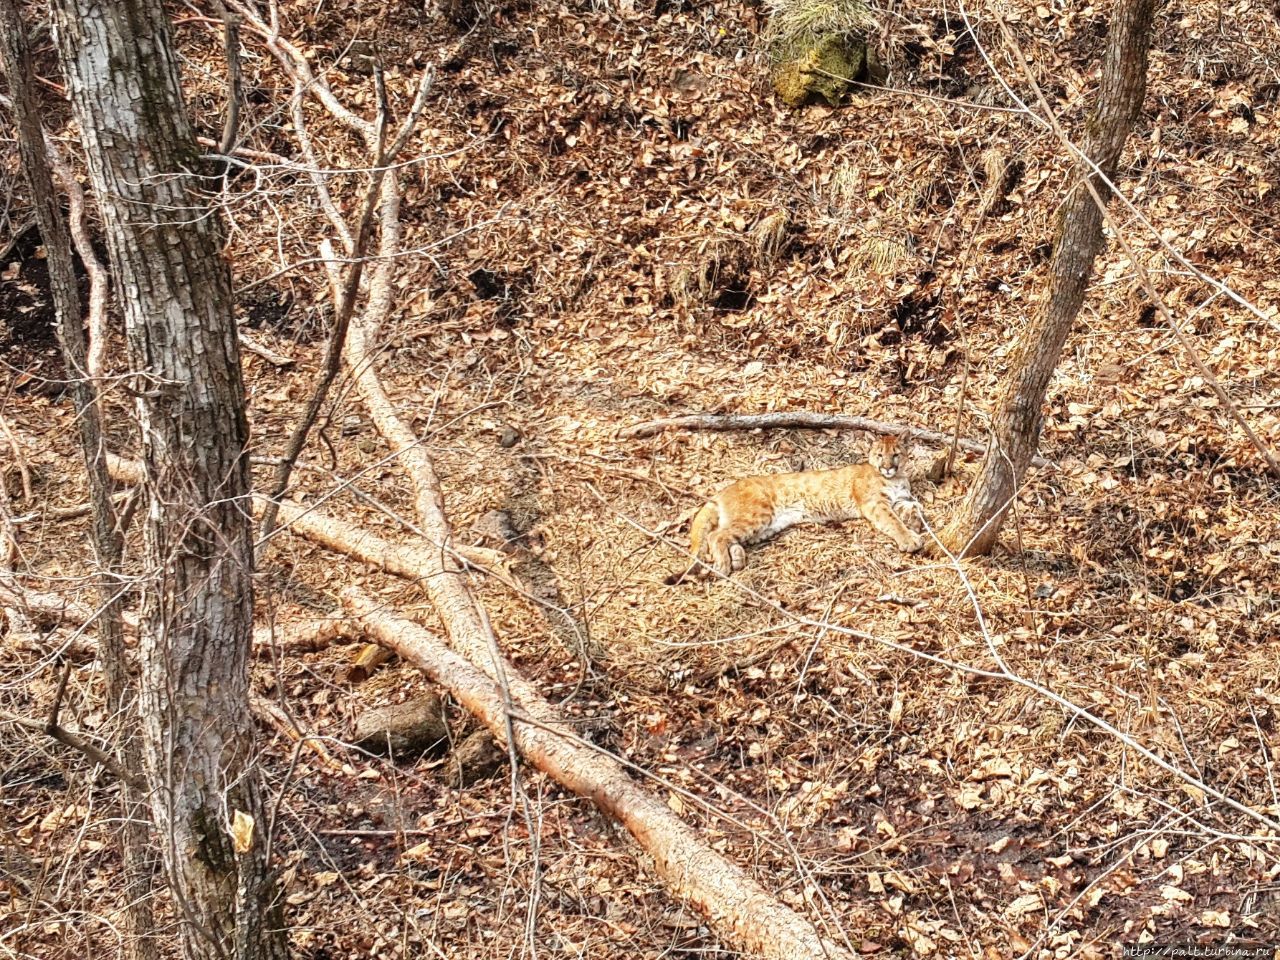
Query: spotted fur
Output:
(754,509)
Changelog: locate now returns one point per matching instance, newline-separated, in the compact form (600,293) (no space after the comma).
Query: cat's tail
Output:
(703,522)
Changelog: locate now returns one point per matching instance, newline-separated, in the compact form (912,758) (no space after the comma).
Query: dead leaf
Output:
(242,832)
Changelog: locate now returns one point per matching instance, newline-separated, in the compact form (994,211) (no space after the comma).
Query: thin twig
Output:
(78,743)
(99,283)
(9,550)
(949,470)
(341,324)
(56,707)
(265,156)
(265,352)
(18,459)
(231,48)
(346,299)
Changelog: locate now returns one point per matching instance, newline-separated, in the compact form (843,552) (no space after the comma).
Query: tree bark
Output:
(1016,425)
(175,294)
(121,693)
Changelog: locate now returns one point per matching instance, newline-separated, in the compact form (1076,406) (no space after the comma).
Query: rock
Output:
(509,437)
(821,67)
(476,758)
(496,529)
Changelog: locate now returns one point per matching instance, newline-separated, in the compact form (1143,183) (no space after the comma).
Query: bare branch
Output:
(231,51)
(1144,275)
(345,305)
(99,282)
(78,743)
(800,420)
(265,352)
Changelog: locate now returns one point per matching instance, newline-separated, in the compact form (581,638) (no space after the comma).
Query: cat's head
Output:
(889,455)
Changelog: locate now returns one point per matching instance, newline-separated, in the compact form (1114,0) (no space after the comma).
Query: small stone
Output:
(495,529)
(476,758)
(509,437)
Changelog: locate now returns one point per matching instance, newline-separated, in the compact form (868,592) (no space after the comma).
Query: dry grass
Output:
(792,21)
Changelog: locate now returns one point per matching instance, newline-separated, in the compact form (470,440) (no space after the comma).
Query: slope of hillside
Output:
(608,218)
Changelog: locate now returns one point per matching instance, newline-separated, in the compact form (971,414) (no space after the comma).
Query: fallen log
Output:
(54,609)
(800,420)
(369,659)
(302,636)
(738,908)
(402,730)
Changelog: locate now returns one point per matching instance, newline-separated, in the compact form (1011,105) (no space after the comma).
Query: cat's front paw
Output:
(909,512)
(913,545)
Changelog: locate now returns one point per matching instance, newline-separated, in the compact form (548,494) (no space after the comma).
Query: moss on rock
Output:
(819,66)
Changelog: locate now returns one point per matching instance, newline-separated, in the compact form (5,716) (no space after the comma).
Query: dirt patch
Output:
(28,320)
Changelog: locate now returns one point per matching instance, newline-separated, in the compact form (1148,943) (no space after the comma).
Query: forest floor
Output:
(611,218)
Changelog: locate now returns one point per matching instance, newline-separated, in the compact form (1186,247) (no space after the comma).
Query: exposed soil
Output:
(28,325)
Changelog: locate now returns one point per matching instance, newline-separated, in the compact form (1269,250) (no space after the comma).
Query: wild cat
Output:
(754,509)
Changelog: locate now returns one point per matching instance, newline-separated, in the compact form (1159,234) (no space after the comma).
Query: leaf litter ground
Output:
(589,218)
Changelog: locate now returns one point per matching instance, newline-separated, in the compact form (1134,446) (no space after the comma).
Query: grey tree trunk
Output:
(139,942)
(175,293)
(1018,417)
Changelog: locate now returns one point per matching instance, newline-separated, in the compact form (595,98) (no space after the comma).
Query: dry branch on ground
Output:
(736,906)
(799,420)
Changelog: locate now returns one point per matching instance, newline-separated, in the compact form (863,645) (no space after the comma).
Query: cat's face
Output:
(887,455)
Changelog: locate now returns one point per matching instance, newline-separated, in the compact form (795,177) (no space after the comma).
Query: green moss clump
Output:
(820,66)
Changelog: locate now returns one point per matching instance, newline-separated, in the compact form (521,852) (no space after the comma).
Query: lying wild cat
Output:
(756,508)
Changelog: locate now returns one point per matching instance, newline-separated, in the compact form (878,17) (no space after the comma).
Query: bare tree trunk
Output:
(135,896)
(175,293)
(1016,424)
